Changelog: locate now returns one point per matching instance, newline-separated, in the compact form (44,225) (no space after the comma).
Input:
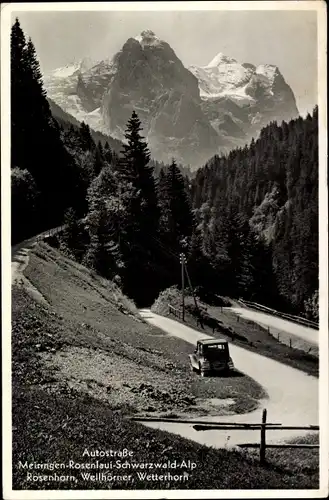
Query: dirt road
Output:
(303,332)
(292,395)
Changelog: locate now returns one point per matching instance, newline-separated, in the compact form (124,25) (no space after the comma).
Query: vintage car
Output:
(211,355)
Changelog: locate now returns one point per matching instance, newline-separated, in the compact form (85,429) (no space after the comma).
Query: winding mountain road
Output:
(292,394)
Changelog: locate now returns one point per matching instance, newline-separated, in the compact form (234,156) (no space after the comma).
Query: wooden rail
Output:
(252,427)
(49,233)
(263,426)
(273,312)
(283,445)
(201,422)
(175,312)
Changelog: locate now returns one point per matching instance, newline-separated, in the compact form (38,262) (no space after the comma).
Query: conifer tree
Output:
(179,215)
(99,159)
(87,143)
(107,153)
(103,224)
(136,175)
(103,253)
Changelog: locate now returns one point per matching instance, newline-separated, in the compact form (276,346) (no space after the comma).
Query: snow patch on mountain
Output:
(66,71)
(267,70)
(148,39)
(220,59)
(72,68)
(224,76)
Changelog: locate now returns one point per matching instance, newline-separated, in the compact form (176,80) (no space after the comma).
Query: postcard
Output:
(165,250)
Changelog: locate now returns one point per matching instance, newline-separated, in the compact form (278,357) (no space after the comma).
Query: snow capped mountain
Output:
(190,114)
(73,67)
(260,92)
(148,39)
(224,76)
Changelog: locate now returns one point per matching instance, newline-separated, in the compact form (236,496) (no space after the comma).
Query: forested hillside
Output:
(247,222)
(257,214)
(51,167)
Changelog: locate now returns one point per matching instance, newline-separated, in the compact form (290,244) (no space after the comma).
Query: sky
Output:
(287,39)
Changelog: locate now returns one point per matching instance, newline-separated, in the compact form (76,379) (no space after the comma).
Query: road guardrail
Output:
(273,312)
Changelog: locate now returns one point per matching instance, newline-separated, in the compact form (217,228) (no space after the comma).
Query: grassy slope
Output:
(57,425)
(259,340)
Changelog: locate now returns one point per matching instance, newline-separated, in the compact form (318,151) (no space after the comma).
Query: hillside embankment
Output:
(84,361)
(239,330)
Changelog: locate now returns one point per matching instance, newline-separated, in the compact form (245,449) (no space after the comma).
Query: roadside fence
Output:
(263,426)
(175,312)
(49,233)
(273,312)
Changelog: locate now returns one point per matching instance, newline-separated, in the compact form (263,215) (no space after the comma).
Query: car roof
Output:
(212,341)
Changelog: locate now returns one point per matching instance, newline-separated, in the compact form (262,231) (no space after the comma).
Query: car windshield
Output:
(215,350)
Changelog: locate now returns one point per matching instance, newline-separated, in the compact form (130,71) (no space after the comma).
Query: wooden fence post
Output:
(290,342)
(262,446)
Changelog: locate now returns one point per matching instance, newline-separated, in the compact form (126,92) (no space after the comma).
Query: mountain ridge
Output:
(190,113)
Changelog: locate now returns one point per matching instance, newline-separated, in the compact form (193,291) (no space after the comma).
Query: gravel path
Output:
(292,395)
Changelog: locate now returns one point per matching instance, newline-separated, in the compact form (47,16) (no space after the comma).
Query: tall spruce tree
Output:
(141,225)
(178,210)
(103,223)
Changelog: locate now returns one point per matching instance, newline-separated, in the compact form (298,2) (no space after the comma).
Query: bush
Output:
(211,298)
(168,296)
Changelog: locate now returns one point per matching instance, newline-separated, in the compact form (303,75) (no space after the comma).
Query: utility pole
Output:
(119,218)
(192,291)
(182,260)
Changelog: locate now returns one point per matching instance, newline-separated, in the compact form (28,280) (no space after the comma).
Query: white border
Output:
(6,12)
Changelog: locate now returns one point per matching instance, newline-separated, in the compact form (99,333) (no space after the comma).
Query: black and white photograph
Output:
(165,239)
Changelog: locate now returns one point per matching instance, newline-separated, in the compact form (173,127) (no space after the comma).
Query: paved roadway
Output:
(263,319)
(292,394)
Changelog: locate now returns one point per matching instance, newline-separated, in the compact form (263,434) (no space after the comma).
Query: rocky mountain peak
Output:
(190,114)
(148,38)
(220,58)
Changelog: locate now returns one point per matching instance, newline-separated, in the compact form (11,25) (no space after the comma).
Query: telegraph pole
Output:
(192,291)
(182,260)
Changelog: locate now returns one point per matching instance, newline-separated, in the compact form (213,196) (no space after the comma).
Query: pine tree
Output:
(87,143)
(99,159)
(136,175)
(103,253)
(107,153)
(73,237)
(178,214)
(103,223)
(19,125)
